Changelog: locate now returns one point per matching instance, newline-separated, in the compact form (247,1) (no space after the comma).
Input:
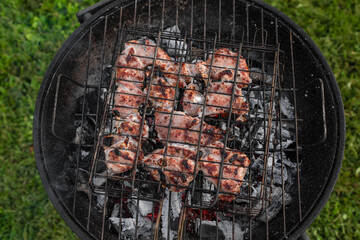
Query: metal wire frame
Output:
(278,119)
(133,175)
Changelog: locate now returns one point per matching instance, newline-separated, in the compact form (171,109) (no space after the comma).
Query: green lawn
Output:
(30,34)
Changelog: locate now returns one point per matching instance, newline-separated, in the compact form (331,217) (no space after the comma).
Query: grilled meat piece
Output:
(188,71)
(191,70)
(193,100)
(162,93)
(133,55)
(170,71)
(140,55)
(162,58)
(127,100)
(234,169)
(131,126)
(134,76)
(219,98)
(184,129)
(224,65)
(177,169)
(120,156)
(203,70)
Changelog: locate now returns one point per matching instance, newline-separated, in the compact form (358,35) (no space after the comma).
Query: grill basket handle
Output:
(312,109)
(86,13)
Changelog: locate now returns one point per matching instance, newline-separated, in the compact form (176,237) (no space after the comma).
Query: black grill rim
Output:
(48,81)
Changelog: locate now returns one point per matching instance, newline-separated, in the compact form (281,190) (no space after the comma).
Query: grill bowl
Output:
(320,133)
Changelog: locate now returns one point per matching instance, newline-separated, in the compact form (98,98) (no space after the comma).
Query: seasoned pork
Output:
(132,55)
(234,169)
(219,98)
(127,100)
(203,70)
(224,65)
(188,71)
(191,70)
(140,55)
(177,169)
(131,126)
(184,129)
(120,157)
(193,100)
(131,75)
(162,93)
(170,71)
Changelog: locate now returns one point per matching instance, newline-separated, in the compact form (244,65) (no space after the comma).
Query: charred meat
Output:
(162,93)
(234,169)
(121,156)
(176,169)
(134,76)
(131,126)
(193,100)
(184,129)
(219,98)
(191,70)
(127,100)
(224,66)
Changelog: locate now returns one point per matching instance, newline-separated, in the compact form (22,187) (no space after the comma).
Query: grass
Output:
(32,31)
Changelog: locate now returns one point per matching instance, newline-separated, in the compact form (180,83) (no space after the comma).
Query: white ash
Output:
(259,102)
(127,184)
(174,47)
(260,110)
(99,180)
(107,129)
(287,108)
(207,197)
(279,169)
(223,127)
(144,208)
(128,226)
(226,229)
(84,154)
(100,200)
(79,136)
(276,161)
(115,212)
(256,191)
(285,144)
(286,133)
(83,131)
(175,208)
(180,145)
(176,205)
(256,74)
(259,138)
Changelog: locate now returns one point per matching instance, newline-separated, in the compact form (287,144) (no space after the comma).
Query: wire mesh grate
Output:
(138,180)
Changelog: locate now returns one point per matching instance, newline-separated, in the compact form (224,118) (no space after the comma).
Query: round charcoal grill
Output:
(293,132)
